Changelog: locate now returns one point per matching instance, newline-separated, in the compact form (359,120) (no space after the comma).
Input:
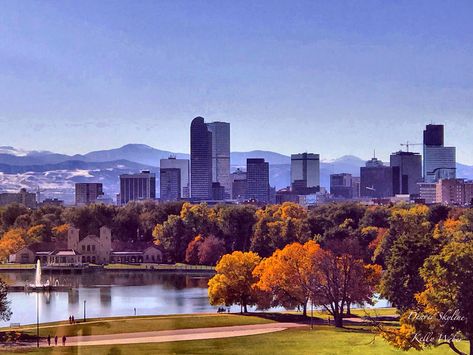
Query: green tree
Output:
(5,312)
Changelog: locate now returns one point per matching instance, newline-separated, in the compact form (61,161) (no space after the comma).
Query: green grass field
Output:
(140,324)
(322,340)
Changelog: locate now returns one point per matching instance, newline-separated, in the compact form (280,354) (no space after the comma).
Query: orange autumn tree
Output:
(234,281)
(11,242)
(288,275)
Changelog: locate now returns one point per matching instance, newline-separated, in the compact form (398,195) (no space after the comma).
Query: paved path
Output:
(178,335)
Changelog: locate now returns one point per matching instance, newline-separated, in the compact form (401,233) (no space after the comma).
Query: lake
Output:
(111,293)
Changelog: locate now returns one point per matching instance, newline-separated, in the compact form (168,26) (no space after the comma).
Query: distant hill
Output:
(56,173)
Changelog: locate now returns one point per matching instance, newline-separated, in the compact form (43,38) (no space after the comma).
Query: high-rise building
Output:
(183,166)
(305,170)
(137,187)
(221,154)
(239,184)
(25,198)
(410,172)
(88,192)
(439,161)
(169,184)
(341,185)
(454,192)
(378,180)
(257,176)
(201,160)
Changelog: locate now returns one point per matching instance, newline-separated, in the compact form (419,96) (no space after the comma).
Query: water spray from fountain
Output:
(37,279)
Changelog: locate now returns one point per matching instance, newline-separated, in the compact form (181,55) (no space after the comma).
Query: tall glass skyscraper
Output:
(305,170)
(221,154)
(201,160)
(257,179)
(439,161)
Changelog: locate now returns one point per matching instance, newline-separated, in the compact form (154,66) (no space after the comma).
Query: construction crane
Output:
(407,144)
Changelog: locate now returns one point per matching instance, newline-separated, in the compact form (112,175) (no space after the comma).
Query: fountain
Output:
(37,279)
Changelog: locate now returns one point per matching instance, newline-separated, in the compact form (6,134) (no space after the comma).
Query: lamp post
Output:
(85,303)
(37,319)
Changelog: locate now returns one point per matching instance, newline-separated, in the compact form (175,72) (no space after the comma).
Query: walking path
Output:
(177,335)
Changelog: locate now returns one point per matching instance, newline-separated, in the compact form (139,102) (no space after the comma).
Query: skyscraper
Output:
(88,192)
(341,185)
(221,154)
(183,166)
(239,184)
(257,176)
(378,180)
(137,187)
(410,172)
(201,160)
(169,184)
(305,170)
(439,161)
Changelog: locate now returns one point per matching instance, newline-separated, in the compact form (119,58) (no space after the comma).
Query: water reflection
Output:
(109,294)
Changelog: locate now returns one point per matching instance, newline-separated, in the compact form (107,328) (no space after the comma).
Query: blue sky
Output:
(329,77)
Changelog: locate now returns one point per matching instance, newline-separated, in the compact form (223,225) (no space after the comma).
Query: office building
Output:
(454,192)
(439,161)
(427,192)
(378,180)
(410,172)
(169,184)
(218,192)
(355,182)
(25,198)
(257,176)
(239,184)
(137,187)
(183,166)
(201,160)
(305,172)
(221,154)
(341,186)
(88,192)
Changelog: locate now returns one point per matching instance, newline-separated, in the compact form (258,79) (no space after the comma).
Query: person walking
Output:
(73,320)
(63,340)
(55,340)
(49,339)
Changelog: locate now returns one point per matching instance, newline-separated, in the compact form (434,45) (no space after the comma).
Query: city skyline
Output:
(83,77)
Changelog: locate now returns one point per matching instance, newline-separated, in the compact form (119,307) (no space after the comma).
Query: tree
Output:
(192,251)
(444,311)
(287,275)
(174,237)
(401,279)
(341,279)
(5,312)
(211,250)
(234,281)
(11,242)
(236,223)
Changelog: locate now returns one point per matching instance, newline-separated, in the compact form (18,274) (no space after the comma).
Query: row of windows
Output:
(89,247)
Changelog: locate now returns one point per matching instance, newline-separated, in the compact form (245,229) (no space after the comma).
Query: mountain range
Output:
(55,174)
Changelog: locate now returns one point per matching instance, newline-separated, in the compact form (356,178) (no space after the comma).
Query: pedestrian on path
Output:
(49,339)
(63,340)
(55,340)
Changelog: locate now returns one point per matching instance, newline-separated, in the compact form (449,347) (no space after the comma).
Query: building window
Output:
(83,247)
(88,247)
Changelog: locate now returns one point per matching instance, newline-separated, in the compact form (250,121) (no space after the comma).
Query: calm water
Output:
(109,294)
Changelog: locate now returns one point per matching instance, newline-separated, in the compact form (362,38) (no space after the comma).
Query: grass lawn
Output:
(323,340)
(140,324)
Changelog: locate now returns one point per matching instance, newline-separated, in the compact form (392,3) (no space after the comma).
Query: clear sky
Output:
(329,77)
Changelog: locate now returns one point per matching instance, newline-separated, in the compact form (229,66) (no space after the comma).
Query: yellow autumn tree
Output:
(234,281)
